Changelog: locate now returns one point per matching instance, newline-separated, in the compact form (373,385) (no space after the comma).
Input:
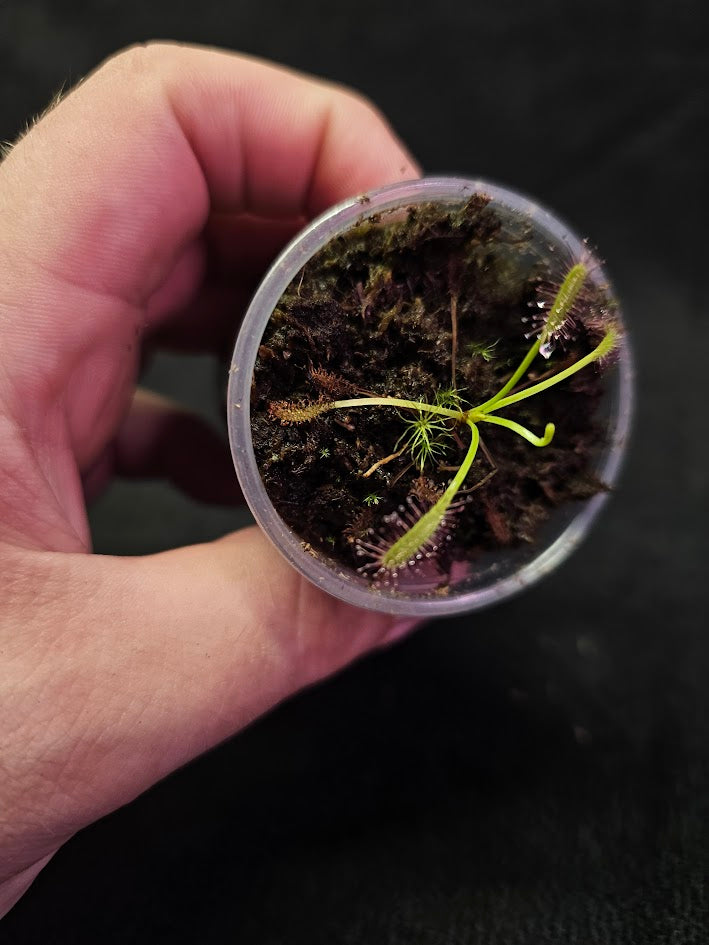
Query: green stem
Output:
(519,373)
(523,431)
(459,478)
(600,351)
(395,402)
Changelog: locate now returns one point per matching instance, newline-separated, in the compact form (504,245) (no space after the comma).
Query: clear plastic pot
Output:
(490,577)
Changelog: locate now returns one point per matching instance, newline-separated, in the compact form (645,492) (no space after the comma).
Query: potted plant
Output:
(429,396)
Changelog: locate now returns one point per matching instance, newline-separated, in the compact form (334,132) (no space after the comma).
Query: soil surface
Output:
(373,313)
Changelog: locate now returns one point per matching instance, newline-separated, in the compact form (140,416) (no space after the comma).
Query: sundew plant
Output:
(427,426)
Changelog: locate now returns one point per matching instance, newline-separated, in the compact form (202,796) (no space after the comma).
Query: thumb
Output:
(121,669)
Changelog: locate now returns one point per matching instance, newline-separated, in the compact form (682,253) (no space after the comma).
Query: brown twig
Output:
(399,475)
(486,453)
(382,462)
(345,426)
(486,478)
(454,338)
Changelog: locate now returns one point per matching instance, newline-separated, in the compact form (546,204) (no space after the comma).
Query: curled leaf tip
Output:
(608,343)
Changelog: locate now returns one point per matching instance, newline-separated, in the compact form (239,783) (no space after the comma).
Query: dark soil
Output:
(372,313)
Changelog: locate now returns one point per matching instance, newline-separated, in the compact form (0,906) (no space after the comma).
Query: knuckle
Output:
(139,59)
(357,101)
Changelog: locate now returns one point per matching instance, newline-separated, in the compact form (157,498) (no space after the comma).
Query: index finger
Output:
(103,207)
(125,172)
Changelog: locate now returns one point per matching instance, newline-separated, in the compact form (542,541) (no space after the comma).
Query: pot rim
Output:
(334,578)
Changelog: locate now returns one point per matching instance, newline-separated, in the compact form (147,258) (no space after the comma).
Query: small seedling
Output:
(429,428)
(324,453)
(484,350)
(425,435)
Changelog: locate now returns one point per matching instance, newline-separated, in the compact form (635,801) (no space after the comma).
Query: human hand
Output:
(119,210)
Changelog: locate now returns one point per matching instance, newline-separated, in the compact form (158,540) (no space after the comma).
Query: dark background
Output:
(535,773)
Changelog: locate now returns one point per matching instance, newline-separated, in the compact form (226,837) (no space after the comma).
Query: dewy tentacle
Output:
(563,304)
(423,531)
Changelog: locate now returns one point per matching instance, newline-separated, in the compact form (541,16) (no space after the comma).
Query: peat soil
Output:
(372,313)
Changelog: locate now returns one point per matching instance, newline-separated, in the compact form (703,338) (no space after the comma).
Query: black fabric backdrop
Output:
(535,773)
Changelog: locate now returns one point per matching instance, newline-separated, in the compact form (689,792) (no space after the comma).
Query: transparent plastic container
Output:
(490,577)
